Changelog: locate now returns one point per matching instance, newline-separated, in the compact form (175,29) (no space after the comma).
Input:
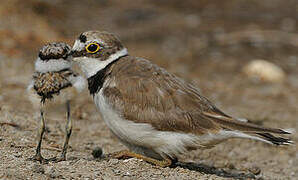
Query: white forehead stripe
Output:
(51,65)
(78,45)
(90,66)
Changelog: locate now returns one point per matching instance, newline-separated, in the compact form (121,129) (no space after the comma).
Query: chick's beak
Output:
(74,53)
(71,53)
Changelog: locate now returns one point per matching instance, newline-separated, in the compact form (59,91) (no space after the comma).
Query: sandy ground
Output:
(207,44)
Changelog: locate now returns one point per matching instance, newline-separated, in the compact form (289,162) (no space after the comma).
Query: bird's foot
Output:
(57,159)
(39,158)
(125,154)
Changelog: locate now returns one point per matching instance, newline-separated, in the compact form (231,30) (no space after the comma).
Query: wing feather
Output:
(146,93)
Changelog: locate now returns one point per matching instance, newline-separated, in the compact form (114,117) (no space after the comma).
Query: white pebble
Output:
(264,71)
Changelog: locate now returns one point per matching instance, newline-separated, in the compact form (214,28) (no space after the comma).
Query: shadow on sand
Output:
(206,169)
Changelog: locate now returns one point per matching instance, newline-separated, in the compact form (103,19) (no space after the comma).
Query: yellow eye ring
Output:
(92,48)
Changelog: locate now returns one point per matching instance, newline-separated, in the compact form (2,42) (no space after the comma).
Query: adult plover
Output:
(54,83)
(153,112)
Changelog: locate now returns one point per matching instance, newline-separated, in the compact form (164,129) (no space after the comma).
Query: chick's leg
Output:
(41,130)
(68,130)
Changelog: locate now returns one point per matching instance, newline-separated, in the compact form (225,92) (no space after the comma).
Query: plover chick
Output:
(54,82)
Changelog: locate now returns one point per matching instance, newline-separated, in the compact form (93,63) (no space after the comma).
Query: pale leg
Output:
(68,130)
(41,130)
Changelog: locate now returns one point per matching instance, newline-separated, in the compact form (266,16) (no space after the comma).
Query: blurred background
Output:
(243,54)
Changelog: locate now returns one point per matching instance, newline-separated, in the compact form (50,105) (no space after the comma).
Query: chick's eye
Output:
(92,48)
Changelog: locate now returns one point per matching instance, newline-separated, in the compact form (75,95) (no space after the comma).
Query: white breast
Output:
(142,137)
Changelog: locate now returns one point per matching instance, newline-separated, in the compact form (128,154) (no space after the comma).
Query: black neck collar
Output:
(96,81)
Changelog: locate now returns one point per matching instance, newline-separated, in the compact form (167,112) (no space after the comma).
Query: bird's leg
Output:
(125,154)
(68,130)
(41,130)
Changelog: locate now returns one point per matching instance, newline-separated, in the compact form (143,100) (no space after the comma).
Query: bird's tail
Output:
(275,140)
(248,130)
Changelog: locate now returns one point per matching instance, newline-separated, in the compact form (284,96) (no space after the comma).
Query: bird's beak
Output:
(76,51)
(71,53)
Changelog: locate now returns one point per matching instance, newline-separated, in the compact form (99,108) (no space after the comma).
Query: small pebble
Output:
(113,161)
(230,166)
(53,173)
(37,168)
(97,152)
(17,155)
(255,170)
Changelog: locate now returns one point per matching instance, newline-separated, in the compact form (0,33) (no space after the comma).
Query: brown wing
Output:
(146,93)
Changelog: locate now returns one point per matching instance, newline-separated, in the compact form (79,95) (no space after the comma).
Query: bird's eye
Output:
(92,48)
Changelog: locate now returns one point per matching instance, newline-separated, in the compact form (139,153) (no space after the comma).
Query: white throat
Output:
(90,66)
(51,65)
